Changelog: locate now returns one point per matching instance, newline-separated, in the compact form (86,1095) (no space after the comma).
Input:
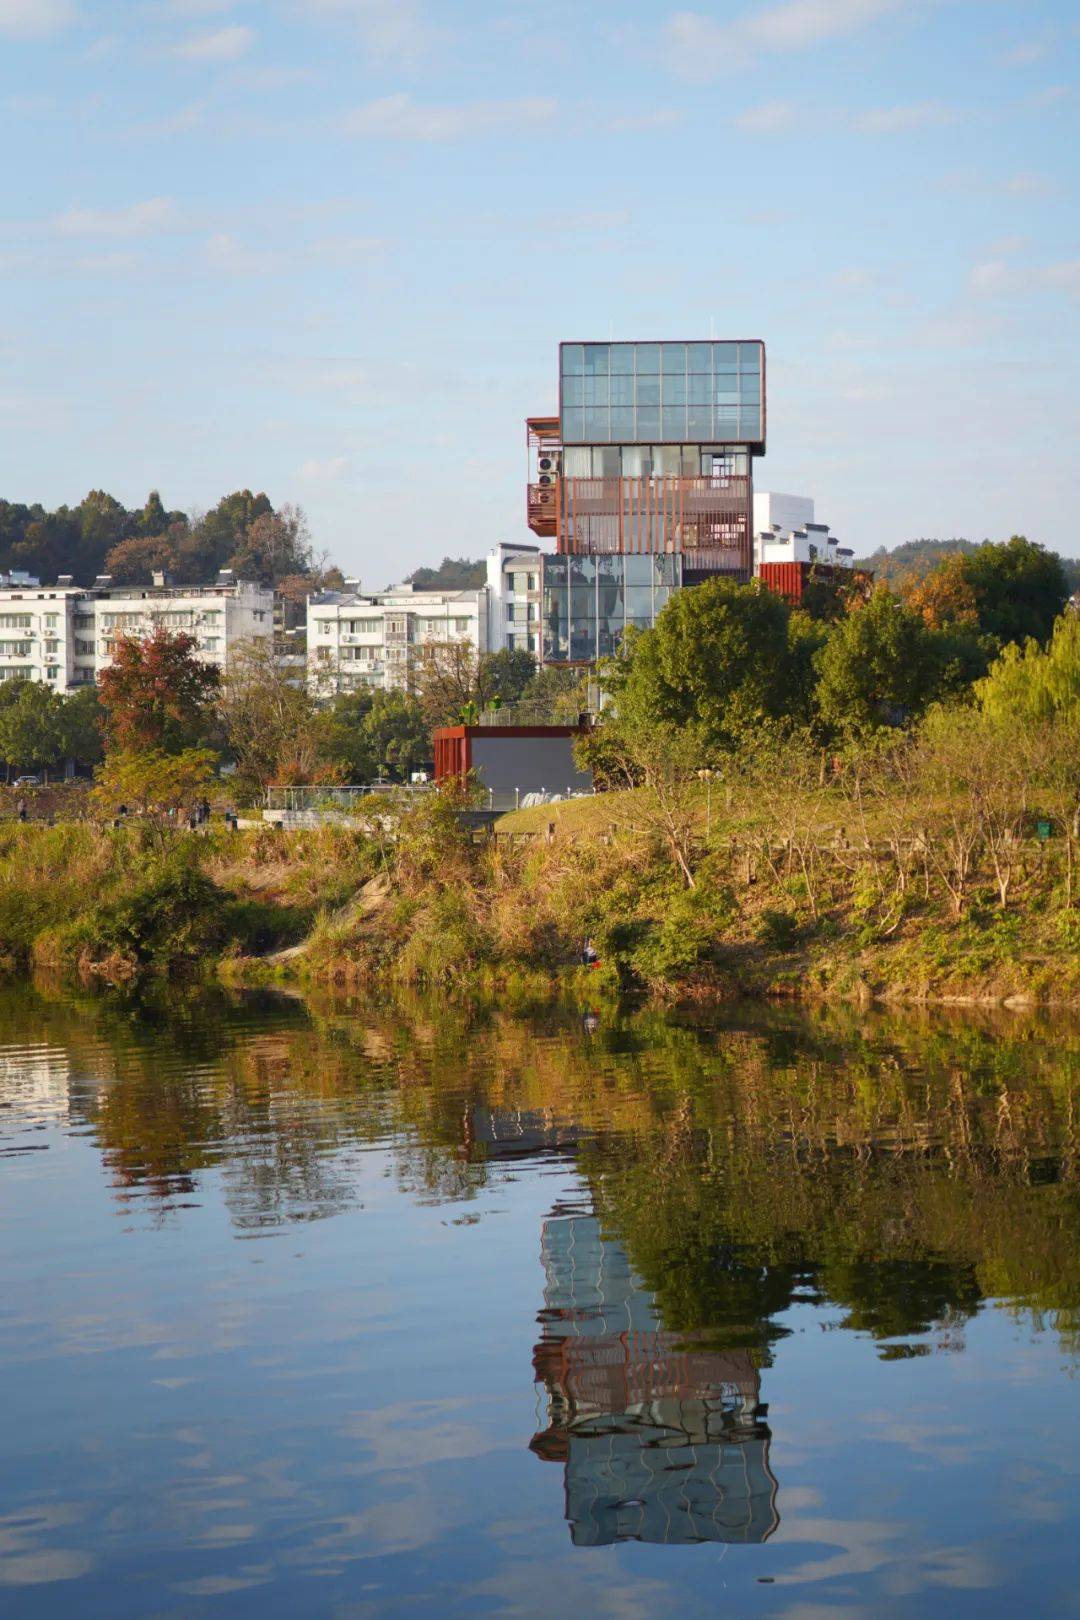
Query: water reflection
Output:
(881,1214)
(661,1440)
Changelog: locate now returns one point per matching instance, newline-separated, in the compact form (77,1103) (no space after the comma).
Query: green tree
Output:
(1018,587)
(370,734)
(879,666)
(1032,684)
(30,731)
(509,673)
(80,721)
(718,659)
(157,693)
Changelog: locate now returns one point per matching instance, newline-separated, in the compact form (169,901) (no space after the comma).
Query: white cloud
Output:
(768,118)
(1050,96)
(400,118)
(642,123)
(224,45)
(314,471)
(28,19)
(998,278)
(137,219)
(390,30)
(225,252)
(698,47)
(1031,50)
(898,120)
(1026,184)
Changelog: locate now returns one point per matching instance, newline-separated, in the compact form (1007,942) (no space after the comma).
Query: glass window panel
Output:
(596,359)
(597,426)
(698,390)
(698,357)
(750,424)
(639,604)
(699,422)
(638,570)
(648,391)
(674,422)
(622,425)
(725,356)
(667,459)
(674,389)
(726,396)
(648,359)
(690,461)
(648,423)
(622,390)
(674,357)
(573,359)
(573,391)
(596,390)
(636,461)
(577,463)
(622,359)
(582,640)
(573,424)
(607,462)
(750,357)
(750,388)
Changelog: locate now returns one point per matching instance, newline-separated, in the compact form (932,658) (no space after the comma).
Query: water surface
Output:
(332,1310)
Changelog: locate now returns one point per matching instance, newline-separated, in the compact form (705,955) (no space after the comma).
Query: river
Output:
(331,1309)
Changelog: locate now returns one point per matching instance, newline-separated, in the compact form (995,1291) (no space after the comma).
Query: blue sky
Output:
(328,247)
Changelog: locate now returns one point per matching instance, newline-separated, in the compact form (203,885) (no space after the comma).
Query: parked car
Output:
(27,781)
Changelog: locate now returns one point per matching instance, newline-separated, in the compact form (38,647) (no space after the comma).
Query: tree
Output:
(452,682)
(879,666)
(509,673)
(944,596)
(1033,684)
(134,561)
(718,658)
(80,721)
(452,574)
(270,721)
(149,779)
(273,545)
(29,726)
(370,734)
(1019,588)
(157,693)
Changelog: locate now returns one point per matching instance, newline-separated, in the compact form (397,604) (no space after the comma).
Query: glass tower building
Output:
(644,481)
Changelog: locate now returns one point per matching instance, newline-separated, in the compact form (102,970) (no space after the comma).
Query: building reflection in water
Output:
(660,1441)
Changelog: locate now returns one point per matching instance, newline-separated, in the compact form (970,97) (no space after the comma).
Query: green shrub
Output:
(778,930)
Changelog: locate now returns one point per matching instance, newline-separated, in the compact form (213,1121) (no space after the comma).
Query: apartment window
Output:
(84,649)
(14,649)
(14,621)
(259,613)
(212,643)
(52,672)
(461,626)
(50,621)
(84,621)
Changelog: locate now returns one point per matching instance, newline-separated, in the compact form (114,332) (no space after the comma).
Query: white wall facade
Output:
(787,512)
(377,641)
(514,590)
(65,635)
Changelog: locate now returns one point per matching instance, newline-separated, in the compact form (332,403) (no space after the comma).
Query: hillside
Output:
(907,564)
(452,574)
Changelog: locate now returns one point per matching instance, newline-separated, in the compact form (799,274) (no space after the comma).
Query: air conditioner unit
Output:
(548,469)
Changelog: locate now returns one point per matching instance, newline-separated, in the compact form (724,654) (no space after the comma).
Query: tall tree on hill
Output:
(1019,588)
(157,693)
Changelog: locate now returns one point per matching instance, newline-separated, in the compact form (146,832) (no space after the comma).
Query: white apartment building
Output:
(515,591)
(65,635)
(377,639)
(355,640)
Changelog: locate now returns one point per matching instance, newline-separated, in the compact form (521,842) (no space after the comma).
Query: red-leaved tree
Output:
(157,693)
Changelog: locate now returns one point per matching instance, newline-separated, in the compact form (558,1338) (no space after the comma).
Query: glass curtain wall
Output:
(627,393)
(590,602)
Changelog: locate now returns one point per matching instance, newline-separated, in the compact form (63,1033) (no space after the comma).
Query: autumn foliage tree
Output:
(157,693)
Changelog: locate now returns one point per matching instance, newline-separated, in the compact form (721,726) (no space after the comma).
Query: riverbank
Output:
(515,916)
